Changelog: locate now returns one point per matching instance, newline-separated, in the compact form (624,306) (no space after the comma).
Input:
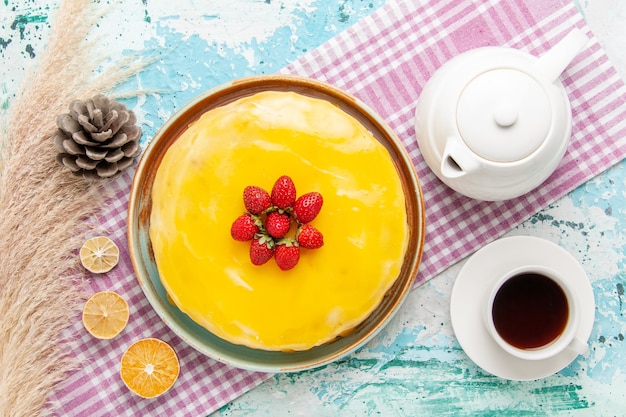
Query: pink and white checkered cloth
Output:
(385,60)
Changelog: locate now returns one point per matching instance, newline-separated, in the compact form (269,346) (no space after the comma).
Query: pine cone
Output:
(98,138)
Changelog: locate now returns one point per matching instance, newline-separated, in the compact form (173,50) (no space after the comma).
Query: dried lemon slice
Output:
(149,367)
(99,254)
(105,314)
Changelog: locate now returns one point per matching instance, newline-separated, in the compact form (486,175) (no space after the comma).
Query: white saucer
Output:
(468,298)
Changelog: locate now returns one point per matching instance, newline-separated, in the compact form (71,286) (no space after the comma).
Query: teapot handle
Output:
(551,64)
(458,160)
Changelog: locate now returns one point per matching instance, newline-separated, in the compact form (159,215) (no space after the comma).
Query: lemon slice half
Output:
(105,314)
(99,254)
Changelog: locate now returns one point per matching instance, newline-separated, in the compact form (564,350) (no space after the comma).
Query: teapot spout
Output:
(457,160)
(551,64)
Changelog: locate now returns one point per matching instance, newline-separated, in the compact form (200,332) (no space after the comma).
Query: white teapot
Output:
(493,123)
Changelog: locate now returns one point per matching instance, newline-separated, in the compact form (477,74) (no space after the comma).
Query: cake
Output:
(197,192)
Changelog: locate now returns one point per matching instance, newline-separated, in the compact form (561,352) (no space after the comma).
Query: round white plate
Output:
(469,296)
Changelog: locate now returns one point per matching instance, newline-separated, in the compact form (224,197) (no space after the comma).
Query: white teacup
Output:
(533,313)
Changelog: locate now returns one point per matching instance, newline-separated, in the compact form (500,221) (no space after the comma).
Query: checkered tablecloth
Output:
(385,60)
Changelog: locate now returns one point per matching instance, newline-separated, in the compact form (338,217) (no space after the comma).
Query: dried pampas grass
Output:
(43,209)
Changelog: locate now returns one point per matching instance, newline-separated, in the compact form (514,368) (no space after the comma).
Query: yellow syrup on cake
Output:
(197,193)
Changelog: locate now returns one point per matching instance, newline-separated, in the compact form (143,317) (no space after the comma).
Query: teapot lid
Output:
(503,115)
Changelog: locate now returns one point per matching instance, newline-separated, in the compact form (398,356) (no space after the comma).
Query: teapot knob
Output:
(506,114)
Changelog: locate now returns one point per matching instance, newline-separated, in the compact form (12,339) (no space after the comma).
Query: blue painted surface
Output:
(185,63)
(414,366)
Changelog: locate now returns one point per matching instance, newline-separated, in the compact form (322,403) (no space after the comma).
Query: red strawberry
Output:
(309,237)
(283,192)
(307,207)
(244,228)
(287,254)
(256,199)
(261,250)
(277,224)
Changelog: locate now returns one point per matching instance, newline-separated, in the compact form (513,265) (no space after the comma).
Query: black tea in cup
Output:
(530,310)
